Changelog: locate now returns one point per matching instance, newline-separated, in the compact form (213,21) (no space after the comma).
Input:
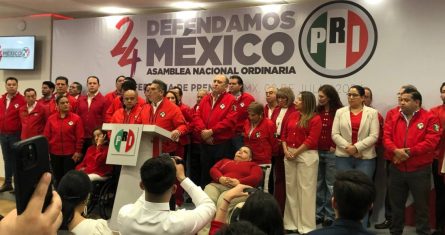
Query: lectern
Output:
(130,146)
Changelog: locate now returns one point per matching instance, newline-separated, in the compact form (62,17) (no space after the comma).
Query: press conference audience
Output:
(151,214)
(75,189)
(354,195)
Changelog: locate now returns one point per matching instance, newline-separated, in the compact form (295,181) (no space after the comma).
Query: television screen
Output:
(17,52)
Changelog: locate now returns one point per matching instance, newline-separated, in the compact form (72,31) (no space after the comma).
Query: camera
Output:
(250,190)
(178,160)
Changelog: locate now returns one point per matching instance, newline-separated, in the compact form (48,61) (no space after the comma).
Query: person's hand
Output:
(209,141)
(76,157)
(100,140)
(400,155)
(233,182)
(224,181)
(351,150)
(207,133)
(288,155)
(32,220)
(180,173)
(175,135)
(332,150)
(236,192)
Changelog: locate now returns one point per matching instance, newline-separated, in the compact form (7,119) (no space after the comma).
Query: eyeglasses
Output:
(353,95)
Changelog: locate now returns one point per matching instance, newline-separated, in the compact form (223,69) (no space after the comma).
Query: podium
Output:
(146,140)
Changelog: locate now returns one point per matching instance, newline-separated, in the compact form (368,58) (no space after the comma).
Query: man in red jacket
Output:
(62,89)
(48,88)
(243,100)
(110,96)
(33,115)
(91,109)
(410,139)
(214,121)
(439,184)
(10,127)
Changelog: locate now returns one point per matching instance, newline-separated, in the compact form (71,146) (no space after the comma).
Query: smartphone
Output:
(250,190)
(32,161)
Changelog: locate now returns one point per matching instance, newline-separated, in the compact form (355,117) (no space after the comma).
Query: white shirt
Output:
(92,227)
(147,218)
(156,105)
(90,98)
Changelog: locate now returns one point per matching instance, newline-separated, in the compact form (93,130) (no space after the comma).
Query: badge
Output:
(420,126)
(162,114)
(222,106)
(70,123)
(258,135)
(436,127)
(16,105)
(241,104)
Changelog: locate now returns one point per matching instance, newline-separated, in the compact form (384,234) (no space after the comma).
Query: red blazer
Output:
(277,111)
(246,172)
(33,123)
(242,103)
(261,140)
(221,118)
(294,135)
(121,116)
(53,105)
(94,161)
(10,118)
(116,105)
(110,96)
(186,111)
(421,135)
(93,116)
(168,116)
(65,135)
(439,112)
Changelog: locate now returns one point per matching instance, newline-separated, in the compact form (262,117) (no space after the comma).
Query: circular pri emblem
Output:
(338,39)
(420,126)
(70,123)
(162,114)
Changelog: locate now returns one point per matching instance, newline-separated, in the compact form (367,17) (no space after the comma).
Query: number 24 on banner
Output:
(126,52)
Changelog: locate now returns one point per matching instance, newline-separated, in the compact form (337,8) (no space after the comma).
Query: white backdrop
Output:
(409,49)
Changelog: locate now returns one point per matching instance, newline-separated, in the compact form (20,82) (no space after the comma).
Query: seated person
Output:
(354,194)
(261,209)
(74,189)
(93,163)
(151,214)
(228,173)
(240,228)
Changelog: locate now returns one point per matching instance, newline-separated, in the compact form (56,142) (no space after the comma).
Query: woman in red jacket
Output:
(259,135)
(93,163)
(64,131)
(300,142)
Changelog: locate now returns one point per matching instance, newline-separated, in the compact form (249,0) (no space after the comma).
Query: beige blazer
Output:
(368,132)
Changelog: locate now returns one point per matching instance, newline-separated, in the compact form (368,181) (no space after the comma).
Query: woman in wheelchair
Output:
(93,163)
(228,173)
(74,190)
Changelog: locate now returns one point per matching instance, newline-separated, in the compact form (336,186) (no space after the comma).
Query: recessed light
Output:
(187,5)
(114,10)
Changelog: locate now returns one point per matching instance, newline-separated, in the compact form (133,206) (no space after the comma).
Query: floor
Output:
(7,203)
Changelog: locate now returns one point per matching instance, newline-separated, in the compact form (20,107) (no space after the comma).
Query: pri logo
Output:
(124,138)
(338,39)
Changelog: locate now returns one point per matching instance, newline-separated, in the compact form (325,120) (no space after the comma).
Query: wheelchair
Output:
(104,192)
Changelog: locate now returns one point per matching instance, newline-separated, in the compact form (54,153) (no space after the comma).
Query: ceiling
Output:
(90,8)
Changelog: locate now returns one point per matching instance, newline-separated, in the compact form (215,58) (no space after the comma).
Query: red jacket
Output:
(168,116)
(44,101)
(121,116)
(294,135)
(421,136)
(93,116)
(439,112)
(221,118)
(33,123)
(110,96)
(261,140)
(248,173)
(94,161)
(116,105)
(65,135)
(266,111)
(242,102)
(187,112)
(53,105)
(10,118)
